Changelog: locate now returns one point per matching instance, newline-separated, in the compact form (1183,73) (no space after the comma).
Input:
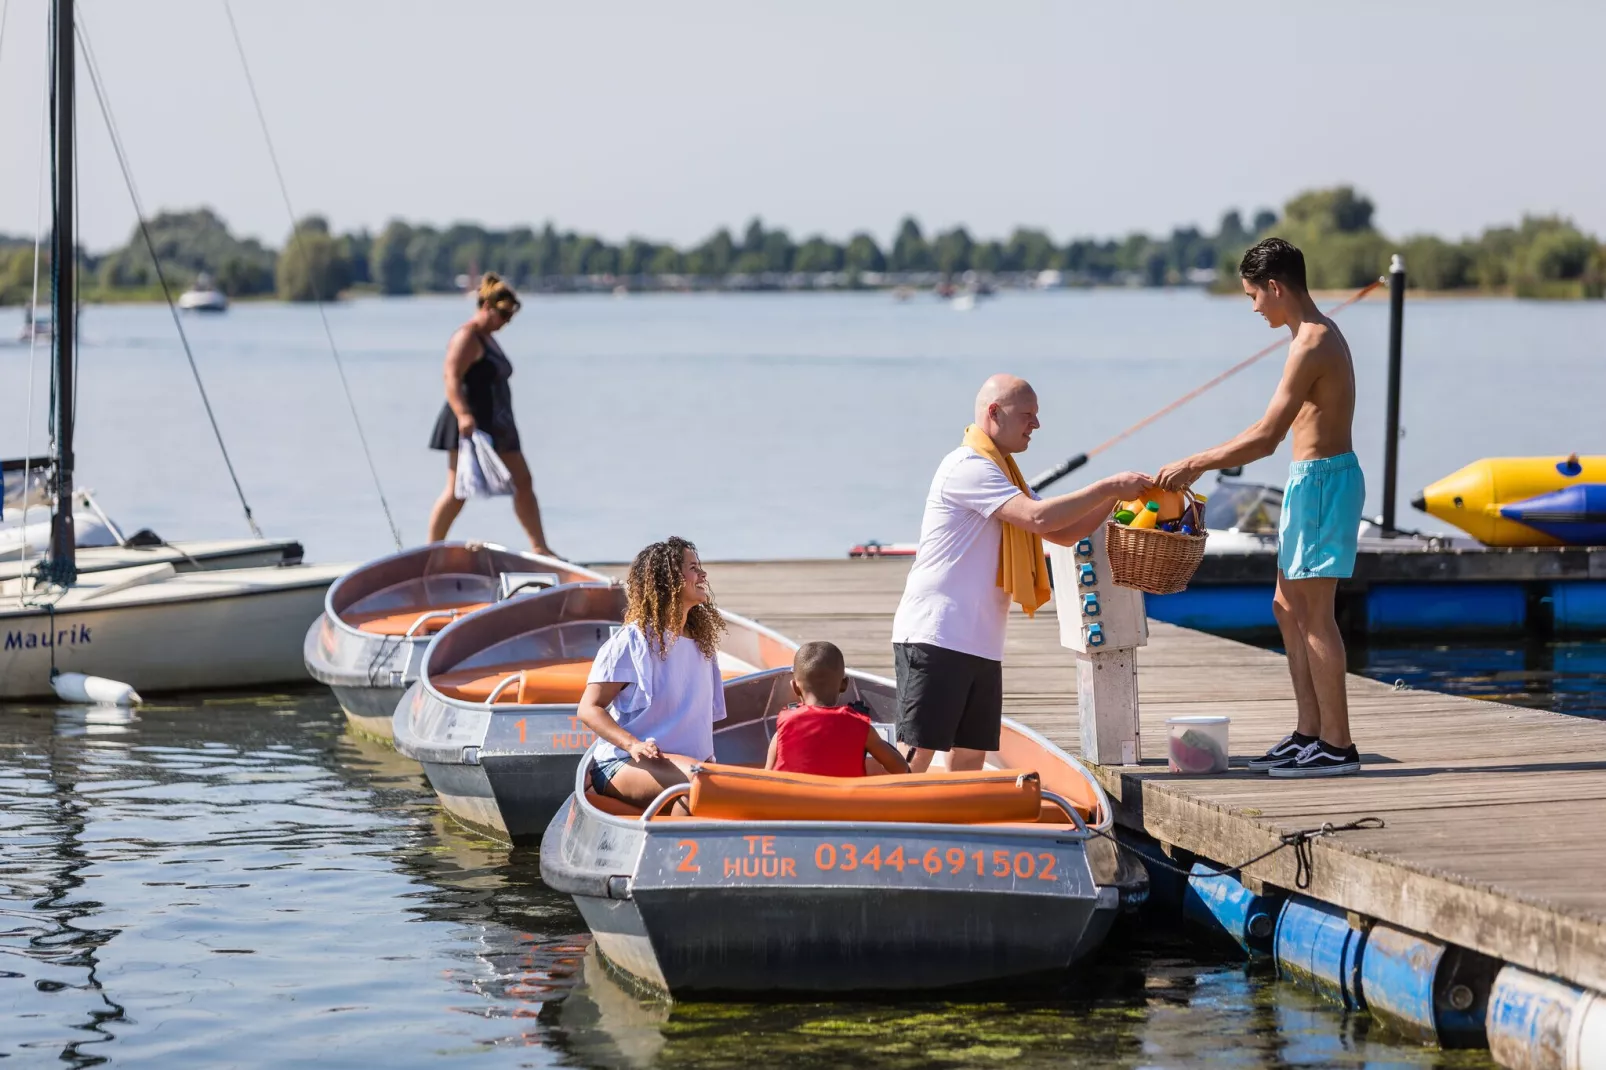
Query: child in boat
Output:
(821,736)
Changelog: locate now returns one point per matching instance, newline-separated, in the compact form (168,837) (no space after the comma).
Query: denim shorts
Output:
(603,771)
(1321,518)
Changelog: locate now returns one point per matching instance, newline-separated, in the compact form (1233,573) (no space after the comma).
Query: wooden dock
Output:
(1495,815)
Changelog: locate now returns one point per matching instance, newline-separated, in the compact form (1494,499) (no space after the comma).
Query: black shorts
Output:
(947,699)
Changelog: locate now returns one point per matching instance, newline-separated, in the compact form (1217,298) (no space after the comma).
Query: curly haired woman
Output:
(655,690)
(478,397)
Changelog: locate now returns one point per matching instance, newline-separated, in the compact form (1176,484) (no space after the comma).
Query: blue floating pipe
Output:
(1538,1023)
(1221,904)
(1316,947)
(1578,605)
(1425,989)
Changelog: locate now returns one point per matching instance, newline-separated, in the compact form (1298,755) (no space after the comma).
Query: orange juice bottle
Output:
(1148,516)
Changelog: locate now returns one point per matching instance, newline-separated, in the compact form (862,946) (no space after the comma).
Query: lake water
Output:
(756,425)
(234,880)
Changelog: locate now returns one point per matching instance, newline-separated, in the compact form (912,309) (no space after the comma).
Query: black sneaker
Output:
(1284,752)
(1321,759)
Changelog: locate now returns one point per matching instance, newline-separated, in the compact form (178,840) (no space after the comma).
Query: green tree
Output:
(816,255)
(667,261)
(311,267)
(388,264)
(863,254)
(1560,253)
(1321,211)
(1030,250)
(1435,264)
(909,249)
(951,251)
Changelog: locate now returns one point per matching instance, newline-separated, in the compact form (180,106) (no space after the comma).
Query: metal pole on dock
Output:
(1391,443)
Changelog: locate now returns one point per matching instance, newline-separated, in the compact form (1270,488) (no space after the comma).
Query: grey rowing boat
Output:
(840,898)
(379,617)
(493,715)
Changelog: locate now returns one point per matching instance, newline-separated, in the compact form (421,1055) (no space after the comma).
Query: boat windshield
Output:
(1248,507)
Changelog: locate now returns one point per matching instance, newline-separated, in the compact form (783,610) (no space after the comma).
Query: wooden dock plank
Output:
(1493,813)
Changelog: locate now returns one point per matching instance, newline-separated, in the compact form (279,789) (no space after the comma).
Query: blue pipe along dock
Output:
(1475,916)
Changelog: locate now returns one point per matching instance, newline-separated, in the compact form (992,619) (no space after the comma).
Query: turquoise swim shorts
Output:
(1321,518)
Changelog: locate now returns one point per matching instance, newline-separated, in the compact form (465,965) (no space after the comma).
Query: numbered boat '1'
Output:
(493,716)
(783,882)
(379,618)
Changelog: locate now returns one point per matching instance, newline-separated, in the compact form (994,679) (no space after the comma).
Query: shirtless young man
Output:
(1321,514)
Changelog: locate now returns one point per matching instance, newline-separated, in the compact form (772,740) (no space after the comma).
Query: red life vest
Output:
(825,741)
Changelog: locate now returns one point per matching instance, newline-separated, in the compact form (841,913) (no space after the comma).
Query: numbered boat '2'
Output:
(783,882)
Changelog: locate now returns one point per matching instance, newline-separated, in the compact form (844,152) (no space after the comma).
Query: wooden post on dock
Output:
(1105,625)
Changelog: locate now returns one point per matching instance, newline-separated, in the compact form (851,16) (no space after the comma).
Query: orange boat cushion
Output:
(609,805)
(393,623)
(736,793)
(555,682)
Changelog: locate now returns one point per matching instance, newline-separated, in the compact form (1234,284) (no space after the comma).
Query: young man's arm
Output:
(769,758)
(1264,435)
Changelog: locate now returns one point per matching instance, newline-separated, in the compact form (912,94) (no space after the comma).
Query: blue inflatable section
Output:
(1441,607)
(1576,515)
(1239,607)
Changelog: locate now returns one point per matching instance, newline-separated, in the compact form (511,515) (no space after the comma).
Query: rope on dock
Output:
(1300,840)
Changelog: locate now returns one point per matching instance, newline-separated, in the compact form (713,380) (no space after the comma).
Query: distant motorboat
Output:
(203,297)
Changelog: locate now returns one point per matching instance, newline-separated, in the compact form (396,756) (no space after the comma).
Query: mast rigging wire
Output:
(295,239)
(167,293)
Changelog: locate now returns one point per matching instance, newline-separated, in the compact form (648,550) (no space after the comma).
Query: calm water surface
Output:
(235,881)
(756,425)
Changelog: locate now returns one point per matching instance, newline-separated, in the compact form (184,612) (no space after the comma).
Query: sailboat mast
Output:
(63,265)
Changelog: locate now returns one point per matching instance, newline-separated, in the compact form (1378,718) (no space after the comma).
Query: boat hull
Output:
(370,673)
(690,904)
(505,769)
(135,641)
(778,921)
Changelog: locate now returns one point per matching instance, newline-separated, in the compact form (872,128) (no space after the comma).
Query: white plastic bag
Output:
(480,472)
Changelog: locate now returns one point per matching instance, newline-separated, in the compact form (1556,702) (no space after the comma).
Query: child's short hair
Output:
(818,667)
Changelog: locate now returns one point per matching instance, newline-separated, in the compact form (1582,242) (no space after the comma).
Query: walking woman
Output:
(478,397)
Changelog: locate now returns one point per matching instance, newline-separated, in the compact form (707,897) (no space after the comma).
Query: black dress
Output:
(490,400)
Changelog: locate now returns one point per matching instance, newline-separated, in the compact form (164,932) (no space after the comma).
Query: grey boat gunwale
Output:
(484,775)
(370,673)
(610,890)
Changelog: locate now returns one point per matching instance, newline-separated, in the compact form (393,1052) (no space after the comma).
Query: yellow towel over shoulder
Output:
(1022,572)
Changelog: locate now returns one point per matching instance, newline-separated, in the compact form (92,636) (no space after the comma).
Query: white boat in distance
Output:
(203,296)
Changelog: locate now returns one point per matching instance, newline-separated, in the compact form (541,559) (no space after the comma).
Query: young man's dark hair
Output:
(1274,258)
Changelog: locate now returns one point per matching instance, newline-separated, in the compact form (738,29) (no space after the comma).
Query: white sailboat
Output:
(148,625)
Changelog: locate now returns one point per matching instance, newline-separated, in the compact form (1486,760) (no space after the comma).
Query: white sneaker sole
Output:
(1294,772)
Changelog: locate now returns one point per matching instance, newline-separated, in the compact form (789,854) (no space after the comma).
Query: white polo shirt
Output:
(952,599)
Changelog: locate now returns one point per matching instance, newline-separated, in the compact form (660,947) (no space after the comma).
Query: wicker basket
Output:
(1148,559)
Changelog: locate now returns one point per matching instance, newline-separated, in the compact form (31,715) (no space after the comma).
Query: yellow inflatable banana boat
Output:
(1524,501)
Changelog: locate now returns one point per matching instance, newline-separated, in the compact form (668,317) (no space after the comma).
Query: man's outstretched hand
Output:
(1126,485)
(1178,475)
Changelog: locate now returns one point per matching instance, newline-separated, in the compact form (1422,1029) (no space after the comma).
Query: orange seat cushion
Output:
(555,682)
(736,793)
(609,805)
(394,623)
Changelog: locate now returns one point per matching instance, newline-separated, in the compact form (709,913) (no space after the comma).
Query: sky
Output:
(669,120)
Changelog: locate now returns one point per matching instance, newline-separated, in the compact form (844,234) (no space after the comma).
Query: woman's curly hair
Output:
(653,600)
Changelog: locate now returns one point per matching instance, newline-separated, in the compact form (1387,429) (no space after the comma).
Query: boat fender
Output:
(77,687)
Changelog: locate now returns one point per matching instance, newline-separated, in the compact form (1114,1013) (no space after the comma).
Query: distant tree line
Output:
(1540,257)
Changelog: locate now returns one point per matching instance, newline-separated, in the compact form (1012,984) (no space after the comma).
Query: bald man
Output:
(948,634)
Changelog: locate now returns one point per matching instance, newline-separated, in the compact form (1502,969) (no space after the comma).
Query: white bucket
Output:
(1198,744)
